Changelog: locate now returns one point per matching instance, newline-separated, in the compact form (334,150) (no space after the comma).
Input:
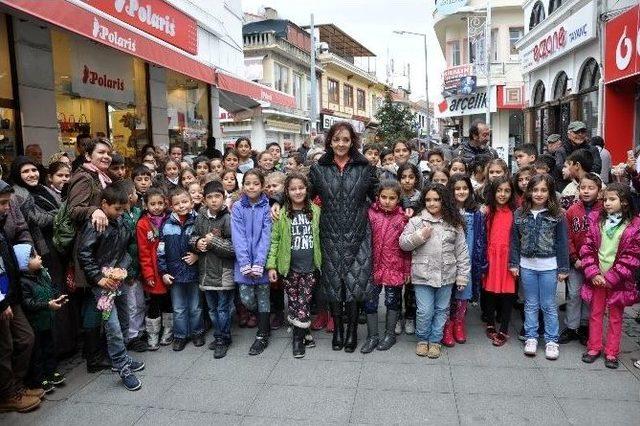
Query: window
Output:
(361,100)
(537,14)
(588,90)
(280,77)
(590,76)
(455,57)
(308,93)
(538,93)
(188,112)
(560,86)
(494,45)
(334,91)
(347,94)
(515,34)
(297,89)
(553,5)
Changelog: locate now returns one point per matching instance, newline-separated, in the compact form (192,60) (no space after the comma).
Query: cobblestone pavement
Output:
(474,383)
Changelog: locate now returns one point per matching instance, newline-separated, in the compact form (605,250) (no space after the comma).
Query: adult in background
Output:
(34,151)
(554,148)
(605,158)
(577,139)
(211,151)
(477,144)
(81,145)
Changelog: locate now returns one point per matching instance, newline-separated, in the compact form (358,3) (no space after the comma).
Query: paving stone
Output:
(240,369)
(406,377)
(614,385)
(601,412)
(165,417)
(209,395)
(302,372)
(509,410)
(108,389)
(498,381)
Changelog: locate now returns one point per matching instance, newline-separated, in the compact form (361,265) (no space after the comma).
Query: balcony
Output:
(269,41)
(328,58)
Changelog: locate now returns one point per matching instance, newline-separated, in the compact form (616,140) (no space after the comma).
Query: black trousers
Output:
(159,304)
(505,302)
(43,358)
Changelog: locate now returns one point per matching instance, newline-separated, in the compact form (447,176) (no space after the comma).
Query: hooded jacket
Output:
(174,245)
(391,264)
(148,239)
(216,263)
(251,236)
(37,291)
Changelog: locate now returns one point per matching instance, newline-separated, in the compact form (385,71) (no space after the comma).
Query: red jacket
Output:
(578,224)
(148,240)
(391,265)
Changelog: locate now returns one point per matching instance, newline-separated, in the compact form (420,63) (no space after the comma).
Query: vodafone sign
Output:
(622,46)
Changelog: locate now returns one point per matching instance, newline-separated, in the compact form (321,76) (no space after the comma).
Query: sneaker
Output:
(20,402)
(129,380)
(552,351)
(136,365)
(179,344)
(568,335)
(409,326)
(198,340)
(220,349)
(47,386)
(612,363)
(590,357)
(434,350)
(531,347)
(309,341)
(422,348)
(56,378)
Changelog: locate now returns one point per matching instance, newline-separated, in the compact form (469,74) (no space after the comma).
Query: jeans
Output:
(432,311)
(392,299)
(577,310)
(220,302)
(187,312)
(136,305)
(540,294)
(255,297)
(596,324)
(16,344)
(114,330)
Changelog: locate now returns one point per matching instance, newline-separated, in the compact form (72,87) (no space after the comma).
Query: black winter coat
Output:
(345,234)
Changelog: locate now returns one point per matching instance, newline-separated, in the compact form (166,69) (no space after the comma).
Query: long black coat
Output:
(345,234)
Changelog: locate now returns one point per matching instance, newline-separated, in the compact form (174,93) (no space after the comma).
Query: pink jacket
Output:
(621,276)
(391,265)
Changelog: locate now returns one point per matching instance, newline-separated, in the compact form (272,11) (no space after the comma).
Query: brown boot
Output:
(20,402)
(37,392)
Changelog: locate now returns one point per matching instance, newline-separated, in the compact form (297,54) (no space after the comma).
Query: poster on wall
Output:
(101,73)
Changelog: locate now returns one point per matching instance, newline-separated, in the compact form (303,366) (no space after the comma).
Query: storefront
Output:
(622,84)
(8,127)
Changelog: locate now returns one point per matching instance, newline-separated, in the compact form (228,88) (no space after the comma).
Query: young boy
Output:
(266,162)
(276,154)
(274,186)
(117,170)
(108,249)
(40,300)
(576,166)
(211,239)
(577,313)
(177,266)
(142,179)
(372,153)
(525,154)
(435,158)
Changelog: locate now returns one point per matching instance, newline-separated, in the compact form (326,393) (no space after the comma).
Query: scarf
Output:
(611,223)
(41,195)
(157,220)
(104,179)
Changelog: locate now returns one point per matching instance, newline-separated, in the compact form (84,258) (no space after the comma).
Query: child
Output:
(610,258)
(230,185)
(98,251)
(498,285)
(496,168)
(159,312)
(391,265)
(201,166)
(525,155)
(276,155)
(141,176)
(521,179)
(230,160)
(372,153)
(59,174)
(274,187)
(439,260)
(117,170)
(187,177)
(251,232)
(439,176)
(265,162)
(197,195)
(577,313)
(295,255)
(475,235)
(171,175)
(539,251)
(386,157)
(436,160)
(576,166)
(40,300)
(216,167)
(293,163)
(457,166)
(211,238)
(478,175)
(177,266)
(244,154)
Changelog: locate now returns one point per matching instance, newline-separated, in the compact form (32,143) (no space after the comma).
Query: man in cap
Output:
(577,134)
(554,148)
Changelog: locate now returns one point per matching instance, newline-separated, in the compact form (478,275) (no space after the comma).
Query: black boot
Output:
(96,358)
(372,334)
(351,339)
(298,342)
(262,336)
(389,338)
(337,343)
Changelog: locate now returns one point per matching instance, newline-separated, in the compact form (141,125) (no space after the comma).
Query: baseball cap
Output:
(553,138)
(576,126)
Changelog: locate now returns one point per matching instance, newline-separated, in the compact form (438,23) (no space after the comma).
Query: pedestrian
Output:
(577,139)
(540,255)
(177,266)
(142,179)
(439,261)
(211,239)
(159,311)
(391,265)
(295,256)
(245,156)
(525,155)
(276,155)
(577,312)
(610,257)
(251,234)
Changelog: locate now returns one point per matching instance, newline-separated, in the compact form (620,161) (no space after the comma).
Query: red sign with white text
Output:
(154,17)
(622,46)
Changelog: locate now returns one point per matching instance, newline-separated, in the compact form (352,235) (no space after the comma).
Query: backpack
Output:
(64,231)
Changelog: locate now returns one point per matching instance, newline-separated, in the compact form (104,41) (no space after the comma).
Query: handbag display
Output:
(83,125)
(5,124)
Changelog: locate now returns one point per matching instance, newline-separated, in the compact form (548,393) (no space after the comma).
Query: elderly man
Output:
(478,143)
(577,134)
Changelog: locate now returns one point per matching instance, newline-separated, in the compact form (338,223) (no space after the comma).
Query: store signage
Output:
(110,36)
(622,46)
(510,97)
(572,32)
(329,120)
(455,106)
(156,18)
(455,78)
(449,7)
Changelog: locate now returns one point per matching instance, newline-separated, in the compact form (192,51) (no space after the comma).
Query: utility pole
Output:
(487,50)
(313,111)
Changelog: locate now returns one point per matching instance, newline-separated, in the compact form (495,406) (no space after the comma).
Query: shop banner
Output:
(154,17)
(101,73)
(329,120)
(458,78)
(622,46)
(456,106)
(577,29)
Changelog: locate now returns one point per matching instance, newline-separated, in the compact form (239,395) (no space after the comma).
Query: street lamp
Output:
(426,76)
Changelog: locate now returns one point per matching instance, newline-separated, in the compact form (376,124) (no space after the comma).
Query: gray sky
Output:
(372,23)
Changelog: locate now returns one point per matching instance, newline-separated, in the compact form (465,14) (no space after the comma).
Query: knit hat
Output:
(23,254)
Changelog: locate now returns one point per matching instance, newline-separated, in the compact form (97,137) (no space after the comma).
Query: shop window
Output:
(280,77)
(590,76)
(347,94)
(560,86)
(588,95)
(553,5)
(361,100)
(538,93)
(334,91)
(7,102)
(188,112)
(101,92)
(537,15)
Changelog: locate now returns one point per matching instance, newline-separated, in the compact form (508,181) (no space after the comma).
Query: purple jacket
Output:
(621,276)
(251,236)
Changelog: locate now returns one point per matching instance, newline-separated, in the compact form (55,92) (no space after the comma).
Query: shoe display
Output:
(422,348)
(179,344)
(552,351)
(531,347)
(568,335)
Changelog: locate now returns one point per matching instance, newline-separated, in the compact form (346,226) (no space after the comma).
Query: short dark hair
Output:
(391,184)
(370,146)
(527,148)
(385,151)
(255,172)
(93,143)
(269,145)
(56,166)
(178,190)
(176,145)
(582,157)
(435,151)
(474,129)
(597,141)
(140,171)
(115,193)
(547,159)
(116,159)
(128,186)
(213,186)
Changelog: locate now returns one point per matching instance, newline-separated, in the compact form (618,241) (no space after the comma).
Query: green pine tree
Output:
(396,121)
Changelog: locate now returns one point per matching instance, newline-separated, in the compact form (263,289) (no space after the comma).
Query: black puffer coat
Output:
(345,234)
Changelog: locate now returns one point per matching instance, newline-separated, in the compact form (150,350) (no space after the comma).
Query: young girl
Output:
(439,176)
(295,255)
(197,195)
(187,177)
(439,260)
(230,186)
(475,233)
(391,265)
(251,233)
(539,252)
(610,258)
(243,151)
(59,173)
(498,285)
(231,162)
(520,180)
(201,166)
(216,166)
(457,165)
(496,168)
(159,311)
(171,175)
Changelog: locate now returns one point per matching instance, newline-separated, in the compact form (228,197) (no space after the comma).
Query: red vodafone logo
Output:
(550,44)
(622,46)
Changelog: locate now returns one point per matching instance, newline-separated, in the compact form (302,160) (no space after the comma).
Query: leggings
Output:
(277,299)
(392,299)
(299,287)
(255,297)
(409,302)
(159,304)
(505,301)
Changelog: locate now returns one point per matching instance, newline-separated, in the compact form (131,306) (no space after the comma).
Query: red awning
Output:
(253,90)
(86,23)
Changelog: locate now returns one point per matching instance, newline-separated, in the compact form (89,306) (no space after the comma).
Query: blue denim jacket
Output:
(544,236)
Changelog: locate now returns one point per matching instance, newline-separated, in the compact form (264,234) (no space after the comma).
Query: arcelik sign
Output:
(156,18)
(622,46)
(456,106)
